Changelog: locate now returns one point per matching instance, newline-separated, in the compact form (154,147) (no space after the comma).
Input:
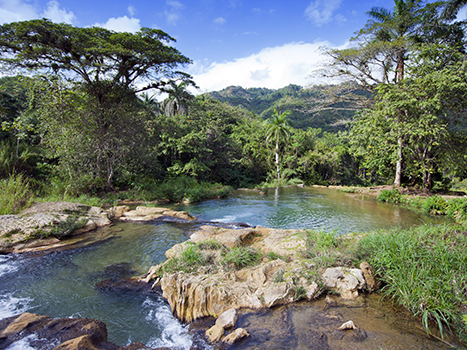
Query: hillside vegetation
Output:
(323,106)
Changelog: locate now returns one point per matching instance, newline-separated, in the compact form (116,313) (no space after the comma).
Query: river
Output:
(62,284)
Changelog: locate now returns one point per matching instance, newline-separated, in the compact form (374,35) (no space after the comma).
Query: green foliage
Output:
(424,270)
(435,205)
(311,107)
(326,249)
(241,257)
(210,244)
(390,196)
(274,256)
(300,292)
(189,260)
(15,194)
(184,187)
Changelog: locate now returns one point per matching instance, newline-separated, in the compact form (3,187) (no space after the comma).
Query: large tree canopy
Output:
(100,57)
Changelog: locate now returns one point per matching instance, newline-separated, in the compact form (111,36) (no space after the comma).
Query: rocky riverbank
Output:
(61,225)
(201,279)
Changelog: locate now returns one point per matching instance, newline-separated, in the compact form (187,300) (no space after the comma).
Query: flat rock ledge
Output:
(30,230)
(25,232)
(213,289)
(143,214)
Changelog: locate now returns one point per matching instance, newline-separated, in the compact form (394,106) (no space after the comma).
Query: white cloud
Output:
(220,20)
(121,24)
(54,13)
(131,10)
(19,10)
(274,67)
(172,15)
(321,11)
(462,14)
(16,10)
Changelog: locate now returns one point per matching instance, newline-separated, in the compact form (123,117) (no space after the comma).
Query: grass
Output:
(325,249)
(15,195)
(455,208)
(241,257)
(424,269)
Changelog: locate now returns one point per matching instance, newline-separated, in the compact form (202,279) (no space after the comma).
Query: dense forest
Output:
(82,116)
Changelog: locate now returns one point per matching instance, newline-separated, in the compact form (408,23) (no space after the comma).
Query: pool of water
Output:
(319,208)
(62,284)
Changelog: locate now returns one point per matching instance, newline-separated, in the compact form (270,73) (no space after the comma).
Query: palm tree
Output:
(278,128)
(397,27)
(151,104)
(178,100)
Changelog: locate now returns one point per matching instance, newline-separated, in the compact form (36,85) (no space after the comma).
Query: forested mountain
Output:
(319,106)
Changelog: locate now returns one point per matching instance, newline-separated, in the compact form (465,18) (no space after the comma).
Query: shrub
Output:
(15,195)
(435,205)
(390,196)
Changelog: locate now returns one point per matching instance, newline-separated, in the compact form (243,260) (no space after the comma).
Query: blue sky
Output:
(231,42)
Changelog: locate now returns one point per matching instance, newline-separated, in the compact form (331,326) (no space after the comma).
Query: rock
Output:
(215,333)
(142,213)
(65,333)
(228,319)
(18,232)
(347,325)
(117,212)
(235,336)
(345,281)
(369,275)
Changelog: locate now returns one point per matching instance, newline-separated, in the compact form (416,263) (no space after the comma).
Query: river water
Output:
(62,284)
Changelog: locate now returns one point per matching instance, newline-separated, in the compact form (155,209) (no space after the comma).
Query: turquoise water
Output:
(319,208)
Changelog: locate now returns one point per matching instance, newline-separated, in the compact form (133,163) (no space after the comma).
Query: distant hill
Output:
(316,107)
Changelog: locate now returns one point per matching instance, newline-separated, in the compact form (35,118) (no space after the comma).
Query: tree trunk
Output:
(277,162)
(397,180)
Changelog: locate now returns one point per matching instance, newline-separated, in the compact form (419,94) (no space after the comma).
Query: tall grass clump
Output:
(15,194)
(241,257)
(184,187)
(424,269)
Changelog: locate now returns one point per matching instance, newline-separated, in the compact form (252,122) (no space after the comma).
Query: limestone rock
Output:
(345,281)
(215,333)
(142,213)
(228,319)
(235,336)
(369,275)
(61,334)
(347,325)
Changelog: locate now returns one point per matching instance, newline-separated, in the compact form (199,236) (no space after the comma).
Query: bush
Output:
(435,205)
(15,195)
(390,196)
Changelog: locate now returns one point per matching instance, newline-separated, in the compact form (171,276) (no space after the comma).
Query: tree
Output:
(383,47)
(178,100)
(278,128)
(424,110)
(107,69)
